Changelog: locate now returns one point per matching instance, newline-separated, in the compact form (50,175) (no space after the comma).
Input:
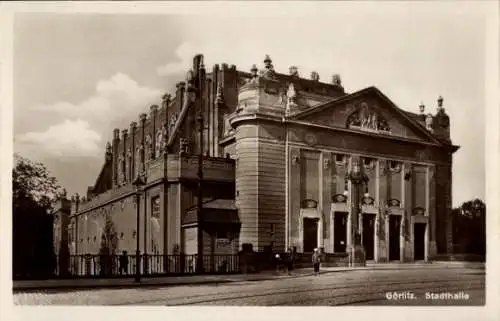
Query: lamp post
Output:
(138,183)
(196,89)
(357,178)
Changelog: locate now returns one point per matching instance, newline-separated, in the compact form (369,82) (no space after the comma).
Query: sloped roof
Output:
(104,180)
(404,114)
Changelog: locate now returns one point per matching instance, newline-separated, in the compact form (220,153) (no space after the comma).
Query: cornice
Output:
(284,121)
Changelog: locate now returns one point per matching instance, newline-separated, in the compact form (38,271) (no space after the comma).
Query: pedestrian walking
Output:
(124,263)
(316,260)
(277,257)
(289,261)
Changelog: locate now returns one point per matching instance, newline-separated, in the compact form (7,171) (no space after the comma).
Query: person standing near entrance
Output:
(316,260)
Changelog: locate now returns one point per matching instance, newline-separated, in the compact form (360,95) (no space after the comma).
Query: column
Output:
(403,217)
(320,201)
(379,207)
(349,200)
(124,154)
(427,207)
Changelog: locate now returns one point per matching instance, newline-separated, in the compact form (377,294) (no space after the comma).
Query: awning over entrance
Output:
(214,211)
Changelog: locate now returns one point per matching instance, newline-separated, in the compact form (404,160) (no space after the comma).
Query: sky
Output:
(78,76)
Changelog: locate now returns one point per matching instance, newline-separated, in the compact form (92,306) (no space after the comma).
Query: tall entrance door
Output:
(310,234)
(369,235)
(340,232)
(394,237)
(419,241)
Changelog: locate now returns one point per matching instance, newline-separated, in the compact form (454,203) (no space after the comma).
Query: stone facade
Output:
(280,147)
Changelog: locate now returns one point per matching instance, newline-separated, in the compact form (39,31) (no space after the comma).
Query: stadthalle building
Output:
(278,151)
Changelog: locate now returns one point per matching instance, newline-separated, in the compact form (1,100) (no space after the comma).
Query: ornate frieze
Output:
(339,198)
(326,163)
(418,211)
(393,202)
(365,117)
(309,203)
(368,200)
(310,139)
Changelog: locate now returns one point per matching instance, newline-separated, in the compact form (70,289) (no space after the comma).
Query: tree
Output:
(109,244)
(469,231)
(32,185)
(34,191)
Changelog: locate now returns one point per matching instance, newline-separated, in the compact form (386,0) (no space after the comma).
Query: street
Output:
(380,286)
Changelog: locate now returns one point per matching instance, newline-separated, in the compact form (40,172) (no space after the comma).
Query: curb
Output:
(66,287)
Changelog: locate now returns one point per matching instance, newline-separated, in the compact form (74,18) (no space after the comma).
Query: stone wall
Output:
(247,169)
(271,195)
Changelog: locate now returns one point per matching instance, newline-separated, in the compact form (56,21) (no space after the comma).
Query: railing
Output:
(150,265)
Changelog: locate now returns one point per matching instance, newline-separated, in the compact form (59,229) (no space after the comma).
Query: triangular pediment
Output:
(369,111)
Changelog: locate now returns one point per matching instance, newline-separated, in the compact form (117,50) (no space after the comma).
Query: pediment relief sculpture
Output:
(365,117)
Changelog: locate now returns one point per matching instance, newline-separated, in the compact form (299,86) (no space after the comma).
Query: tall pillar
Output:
(133,127)
(124,156)
(153,111)
(115,146)
(349,201)
(432,212)
(403,216)
(427,209)
(379,207)
(142,118)
(320,202)
(357,178)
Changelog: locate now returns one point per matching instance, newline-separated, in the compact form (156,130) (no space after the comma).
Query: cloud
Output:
(119,97)
(66,139)
(116,102)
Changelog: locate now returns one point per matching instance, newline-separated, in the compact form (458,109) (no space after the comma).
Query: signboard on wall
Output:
(222,242)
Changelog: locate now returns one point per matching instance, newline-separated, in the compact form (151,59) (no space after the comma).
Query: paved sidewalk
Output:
(31,285)
(37,285)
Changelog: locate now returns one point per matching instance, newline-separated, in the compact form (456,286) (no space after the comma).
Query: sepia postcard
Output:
(212,156)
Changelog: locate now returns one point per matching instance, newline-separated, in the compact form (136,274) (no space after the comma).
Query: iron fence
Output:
(150,265)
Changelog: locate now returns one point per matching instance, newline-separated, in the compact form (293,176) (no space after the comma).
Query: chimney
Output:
(293,71)
(314,76)
(77,202)
(440,104)
(336,80)
(422,108)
